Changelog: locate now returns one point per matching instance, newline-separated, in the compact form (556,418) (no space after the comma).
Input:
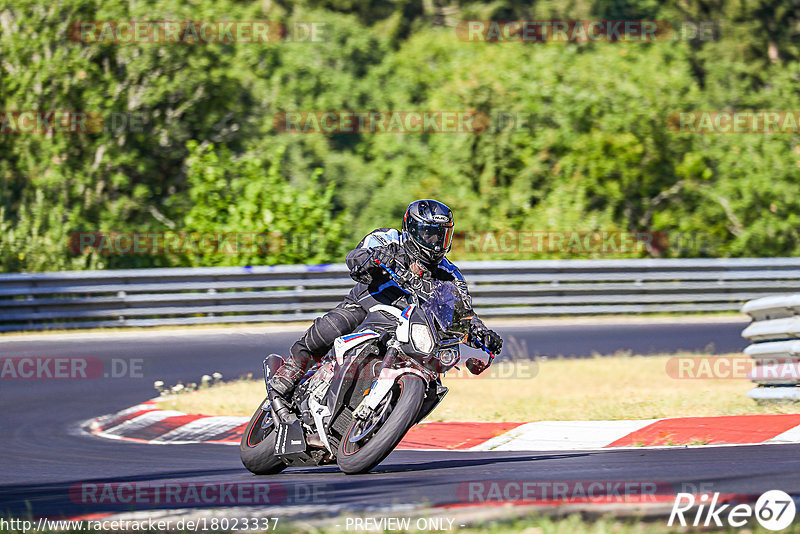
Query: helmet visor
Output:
(432,236)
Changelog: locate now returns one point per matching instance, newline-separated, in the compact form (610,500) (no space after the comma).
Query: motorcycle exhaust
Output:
(279,409)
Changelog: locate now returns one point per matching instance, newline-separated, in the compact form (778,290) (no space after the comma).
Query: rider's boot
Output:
(280,394)
(293,369)
(282,386)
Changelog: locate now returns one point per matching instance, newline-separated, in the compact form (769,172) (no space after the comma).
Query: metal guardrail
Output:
(775,347)
(153,297)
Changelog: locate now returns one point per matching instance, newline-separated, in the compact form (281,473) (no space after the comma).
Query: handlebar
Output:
(391,273)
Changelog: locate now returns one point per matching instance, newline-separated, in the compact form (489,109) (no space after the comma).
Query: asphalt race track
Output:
(43,454)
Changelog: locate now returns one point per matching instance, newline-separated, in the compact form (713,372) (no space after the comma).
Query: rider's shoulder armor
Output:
(381,236)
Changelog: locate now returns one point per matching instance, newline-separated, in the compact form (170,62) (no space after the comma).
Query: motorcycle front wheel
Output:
(257,448)
(368,443)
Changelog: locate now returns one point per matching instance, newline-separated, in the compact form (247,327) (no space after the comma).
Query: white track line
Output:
(562,435)
(195,431)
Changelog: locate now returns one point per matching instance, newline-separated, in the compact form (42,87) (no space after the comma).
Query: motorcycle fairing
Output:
(403,317)
(404,328)
(434,396)
(344,371)
(344,343)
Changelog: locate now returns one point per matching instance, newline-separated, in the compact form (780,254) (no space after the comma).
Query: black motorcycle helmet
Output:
(428,230)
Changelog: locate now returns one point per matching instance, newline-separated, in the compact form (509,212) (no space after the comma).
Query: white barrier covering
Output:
(775,348)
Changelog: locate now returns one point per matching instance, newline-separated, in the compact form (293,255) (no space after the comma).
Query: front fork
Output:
(385,381)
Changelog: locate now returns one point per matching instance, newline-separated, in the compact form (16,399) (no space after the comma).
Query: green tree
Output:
(248,195)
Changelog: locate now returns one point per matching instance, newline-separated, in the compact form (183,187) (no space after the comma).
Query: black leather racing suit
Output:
(373,286)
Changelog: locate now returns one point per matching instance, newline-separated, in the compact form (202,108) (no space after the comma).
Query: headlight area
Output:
(448,356)
(421,337)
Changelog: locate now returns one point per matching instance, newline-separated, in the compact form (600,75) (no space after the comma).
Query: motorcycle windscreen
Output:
(451,312)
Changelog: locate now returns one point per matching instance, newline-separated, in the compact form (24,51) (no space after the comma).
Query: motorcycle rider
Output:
(416,255)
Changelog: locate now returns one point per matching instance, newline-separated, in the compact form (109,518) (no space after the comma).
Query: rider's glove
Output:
(490,339)
(360,273)
(408,279)
(385,255)
(476,366)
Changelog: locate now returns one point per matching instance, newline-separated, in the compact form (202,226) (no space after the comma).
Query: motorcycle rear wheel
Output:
(360,457)
(257,447)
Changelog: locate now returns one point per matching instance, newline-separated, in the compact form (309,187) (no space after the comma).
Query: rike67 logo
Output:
(774,510)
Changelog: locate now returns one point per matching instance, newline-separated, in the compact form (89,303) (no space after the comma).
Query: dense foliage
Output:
(192,146)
